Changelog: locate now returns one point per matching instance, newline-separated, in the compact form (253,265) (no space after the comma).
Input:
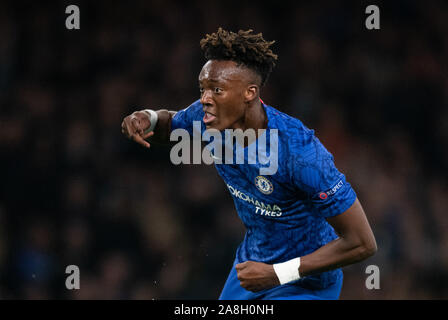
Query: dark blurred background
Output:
(75,191)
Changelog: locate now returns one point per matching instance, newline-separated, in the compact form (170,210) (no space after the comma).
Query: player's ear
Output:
(251,93)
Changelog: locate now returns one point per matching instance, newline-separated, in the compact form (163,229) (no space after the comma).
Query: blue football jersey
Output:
(283,212)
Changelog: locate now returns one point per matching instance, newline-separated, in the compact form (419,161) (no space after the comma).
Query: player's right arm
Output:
(135,125)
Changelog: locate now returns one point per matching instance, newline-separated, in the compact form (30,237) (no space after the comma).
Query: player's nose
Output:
(206,98)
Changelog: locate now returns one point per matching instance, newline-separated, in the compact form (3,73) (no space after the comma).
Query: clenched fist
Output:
(134,126)
(256,276)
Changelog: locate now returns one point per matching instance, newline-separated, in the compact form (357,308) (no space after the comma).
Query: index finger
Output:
(137,138)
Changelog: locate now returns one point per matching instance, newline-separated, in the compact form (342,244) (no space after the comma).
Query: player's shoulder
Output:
(193,109)
(300,141)
(185,118)
(288,124)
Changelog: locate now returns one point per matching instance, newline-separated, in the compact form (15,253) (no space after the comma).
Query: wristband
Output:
(288,271)
(153,117)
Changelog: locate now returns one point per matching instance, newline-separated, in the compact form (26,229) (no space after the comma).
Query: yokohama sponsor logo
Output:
(260,207)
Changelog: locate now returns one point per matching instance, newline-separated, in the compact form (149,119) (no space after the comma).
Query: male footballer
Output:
(303,222)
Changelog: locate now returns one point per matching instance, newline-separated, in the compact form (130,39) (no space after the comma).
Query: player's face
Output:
(222,86)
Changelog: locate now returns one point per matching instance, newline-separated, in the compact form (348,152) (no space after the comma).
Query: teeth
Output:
(208,117)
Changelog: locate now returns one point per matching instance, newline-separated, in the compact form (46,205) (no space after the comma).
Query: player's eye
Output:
(218,90)
(201,90)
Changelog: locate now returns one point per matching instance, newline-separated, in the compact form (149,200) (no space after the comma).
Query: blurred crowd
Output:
(74,191)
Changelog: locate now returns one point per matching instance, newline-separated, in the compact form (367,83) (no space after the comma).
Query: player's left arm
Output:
(333,199)
(355,243)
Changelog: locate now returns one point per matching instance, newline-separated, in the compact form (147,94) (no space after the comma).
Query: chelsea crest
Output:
(264,185)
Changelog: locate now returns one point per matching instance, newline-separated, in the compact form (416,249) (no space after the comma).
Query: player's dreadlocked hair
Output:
(243,47)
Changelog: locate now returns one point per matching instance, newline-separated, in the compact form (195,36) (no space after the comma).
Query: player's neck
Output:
(255,117)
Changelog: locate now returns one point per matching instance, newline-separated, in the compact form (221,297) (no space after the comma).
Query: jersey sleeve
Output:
(315,174)
(184,119)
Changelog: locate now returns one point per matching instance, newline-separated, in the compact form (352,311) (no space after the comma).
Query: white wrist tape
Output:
(288,271)
(153,117)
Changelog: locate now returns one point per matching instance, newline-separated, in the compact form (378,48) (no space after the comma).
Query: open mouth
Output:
(208,117)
